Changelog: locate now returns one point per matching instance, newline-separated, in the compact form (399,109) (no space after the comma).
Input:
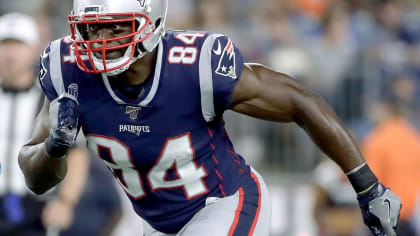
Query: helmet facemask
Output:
(91,54)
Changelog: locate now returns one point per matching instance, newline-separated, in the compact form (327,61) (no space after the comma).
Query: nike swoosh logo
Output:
(219,49)
(389,208)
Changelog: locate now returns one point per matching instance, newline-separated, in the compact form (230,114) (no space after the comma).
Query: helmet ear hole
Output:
(140,49)
(158,22)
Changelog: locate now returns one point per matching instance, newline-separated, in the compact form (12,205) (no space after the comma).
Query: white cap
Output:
(20,27)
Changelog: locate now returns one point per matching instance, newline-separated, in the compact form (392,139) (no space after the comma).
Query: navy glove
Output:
(64,118)
(381,210)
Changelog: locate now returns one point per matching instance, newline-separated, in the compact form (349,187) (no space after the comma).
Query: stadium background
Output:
(357,54)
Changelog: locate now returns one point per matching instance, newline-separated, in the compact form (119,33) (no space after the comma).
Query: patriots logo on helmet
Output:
(142,2)
(227,64)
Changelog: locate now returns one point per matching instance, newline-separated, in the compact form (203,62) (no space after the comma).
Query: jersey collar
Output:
(151,93)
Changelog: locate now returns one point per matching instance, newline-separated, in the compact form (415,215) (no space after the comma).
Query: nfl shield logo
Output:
(132,111)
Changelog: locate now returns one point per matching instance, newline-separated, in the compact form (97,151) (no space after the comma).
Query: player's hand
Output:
(58,213)
(380,210)
(64,118)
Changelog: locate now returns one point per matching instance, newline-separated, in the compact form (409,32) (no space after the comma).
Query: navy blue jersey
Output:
(168,148)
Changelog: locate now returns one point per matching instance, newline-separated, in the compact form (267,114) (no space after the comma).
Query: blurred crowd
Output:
(361,56)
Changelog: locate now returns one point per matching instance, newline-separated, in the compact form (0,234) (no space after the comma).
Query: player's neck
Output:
(139,71)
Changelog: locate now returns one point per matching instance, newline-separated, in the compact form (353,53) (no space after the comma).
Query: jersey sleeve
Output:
(50,77)
(220,68)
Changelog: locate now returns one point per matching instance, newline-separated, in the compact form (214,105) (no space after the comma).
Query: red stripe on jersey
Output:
(237,212)
(211,134)
(212,146)
(221,189)
(257,214)
(231,152)
(214,159)
(218,174)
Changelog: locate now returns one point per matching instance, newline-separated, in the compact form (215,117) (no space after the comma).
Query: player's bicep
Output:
(41,126)
(266,94)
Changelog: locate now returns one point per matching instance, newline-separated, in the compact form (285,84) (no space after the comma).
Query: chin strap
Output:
(137,55)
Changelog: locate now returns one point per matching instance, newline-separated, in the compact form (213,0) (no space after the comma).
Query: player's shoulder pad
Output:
(187,38)
(226,59)
(220,65)
(215,49)
(57,67)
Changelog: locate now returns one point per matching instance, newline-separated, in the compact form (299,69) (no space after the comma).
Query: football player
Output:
(150,102)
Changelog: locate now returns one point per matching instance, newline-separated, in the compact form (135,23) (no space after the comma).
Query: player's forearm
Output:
(326,130)
(78,169)
(42,172)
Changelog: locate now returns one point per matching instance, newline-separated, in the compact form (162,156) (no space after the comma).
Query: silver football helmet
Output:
(147,18)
